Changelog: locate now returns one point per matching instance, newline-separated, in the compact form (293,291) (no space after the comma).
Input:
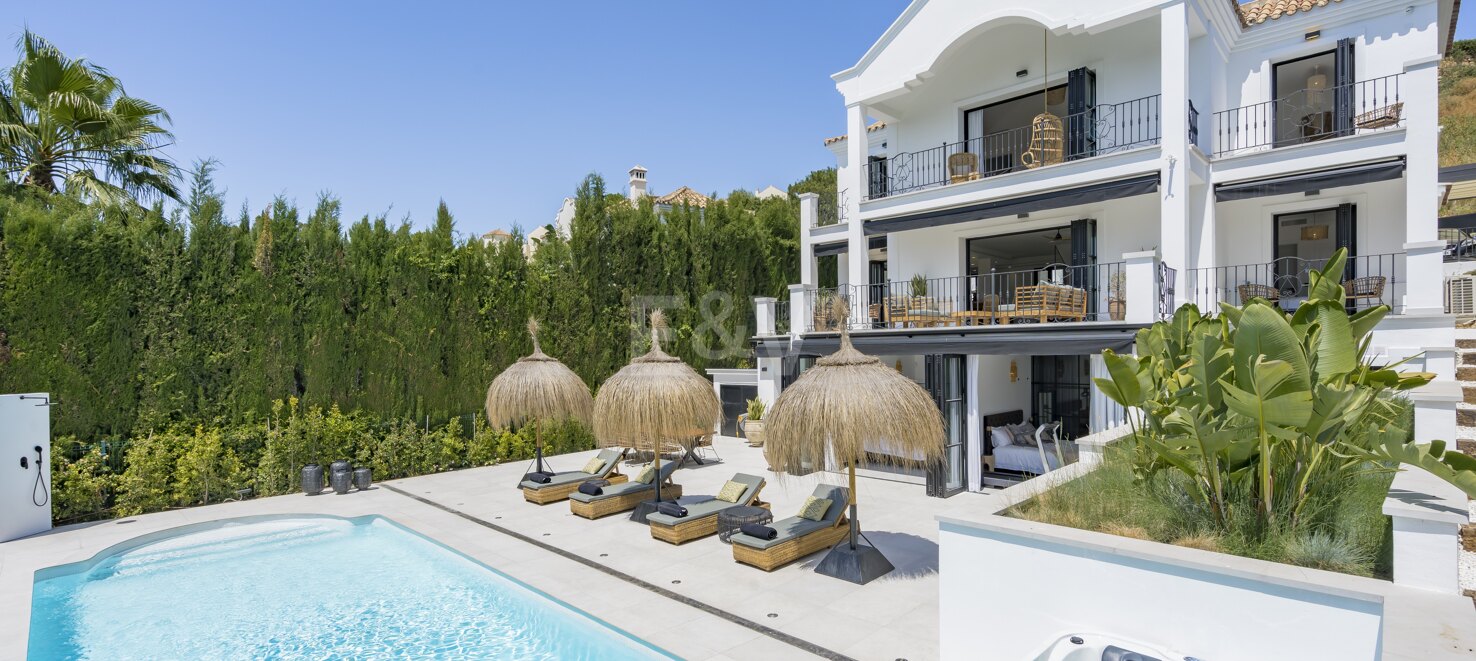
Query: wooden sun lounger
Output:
(702,518)
(624,497)
(567,483)
(798,537)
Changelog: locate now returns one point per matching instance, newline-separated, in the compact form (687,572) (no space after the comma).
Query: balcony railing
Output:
(1310,115)
(781,317)
(832,209)
(1367,280)
(1193,124)
(1101,130)
(1052,294)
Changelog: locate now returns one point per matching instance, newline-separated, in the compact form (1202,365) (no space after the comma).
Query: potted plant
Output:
(753,423)
(1117,296)
(919,285)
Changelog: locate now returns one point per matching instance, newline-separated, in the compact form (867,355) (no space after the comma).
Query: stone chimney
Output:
(637,184)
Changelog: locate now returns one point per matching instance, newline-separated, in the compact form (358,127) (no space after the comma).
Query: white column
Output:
(1427,514)
(770,378)
(1142,286)
(799,308)
(809,212)
(1175,201)
(856,153)
(975,425)
(763,315)
(1424,270)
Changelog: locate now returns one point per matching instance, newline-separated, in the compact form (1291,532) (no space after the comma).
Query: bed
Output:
(1019,457)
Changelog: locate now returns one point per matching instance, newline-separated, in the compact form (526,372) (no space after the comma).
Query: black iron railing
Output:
(1460,244)
(1310,115)
(1367,280)
(1050,294)
(832,209)
(781,317)
(1101,130)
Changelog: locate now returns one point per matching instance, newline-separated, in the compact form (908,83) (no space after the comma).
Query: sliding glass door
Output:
(945,381)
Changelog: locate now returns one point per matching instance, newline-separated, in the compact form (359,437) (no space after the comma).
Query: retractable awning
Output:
(1025,339)
(1302,182)
(1089,194)
(841,247)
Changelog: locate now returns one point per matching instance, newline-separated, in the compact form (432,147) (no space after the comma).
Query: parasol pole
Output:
(855,524)
(538,444)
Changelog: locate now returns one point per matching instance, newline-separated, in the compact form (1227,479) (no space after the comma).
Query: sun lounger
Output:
(562,484)
(797,537)
(702,517)
(624,497)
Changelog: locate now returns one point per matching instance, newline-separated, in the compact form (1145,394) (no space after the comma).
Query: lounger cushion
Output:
(732,491)
(613,491)
(557,480)
(594,465)
(788,529)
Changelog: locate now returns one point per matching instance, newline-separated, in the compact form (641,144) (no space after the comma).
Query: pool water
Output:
(305,588)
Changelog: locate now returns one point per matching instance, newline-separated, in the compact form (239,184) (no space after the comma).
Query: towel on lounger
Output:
(590,489)
(759,531)
(540,478)
(671,509)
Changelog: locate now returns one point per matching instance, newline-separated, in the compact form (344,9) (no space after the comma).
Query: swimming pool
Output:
(305,588)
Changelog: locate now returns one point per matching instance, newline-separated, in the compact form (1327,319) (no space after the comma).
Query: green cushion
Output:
(594,465)
(647,474)
(732,491)
(814,508)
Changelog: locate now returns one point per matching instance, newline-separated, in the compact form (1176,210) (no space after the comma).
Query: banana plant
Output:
(1255,393)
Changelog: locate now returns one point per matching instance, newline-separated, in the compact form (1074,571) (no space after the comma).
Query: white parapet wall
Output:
(1010,587)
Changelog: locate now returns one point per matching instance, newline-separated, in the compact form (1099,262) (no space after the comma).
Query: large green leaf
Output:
(1265,331)
(1335,348)
(1274,398)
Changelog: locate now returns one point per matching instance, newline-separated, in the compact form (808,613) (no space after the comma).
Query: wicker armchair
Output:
(962,167)
(1365,288)
(1249,291)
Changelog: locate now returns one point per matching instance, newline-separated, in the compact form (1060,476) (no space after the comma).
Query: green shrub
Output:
(147,484)
(81,488)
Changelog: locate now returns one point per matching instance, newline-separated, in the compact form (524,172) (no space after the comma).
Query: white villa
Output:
(1199,152)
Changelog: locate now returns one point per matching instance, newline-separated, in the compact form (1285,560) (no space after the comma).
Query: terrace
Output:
(692,600)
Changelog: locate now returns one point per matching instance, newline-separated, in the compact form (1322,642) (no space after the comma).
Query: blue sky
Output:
(499,108)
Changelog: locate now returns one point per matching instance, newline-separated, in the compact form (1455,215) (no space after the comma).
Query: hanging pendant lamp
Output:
(1047,135)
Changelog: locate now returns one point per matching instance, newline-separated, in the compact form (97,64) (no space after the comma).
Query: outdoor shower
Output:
(25,486)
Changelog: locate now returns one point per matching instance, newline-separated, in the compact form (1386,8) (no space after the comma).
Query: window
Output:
(1305,107)
(1000,132)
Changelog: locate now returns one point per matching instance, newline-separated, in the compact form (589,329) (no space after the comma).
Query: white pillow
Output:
(1001,436)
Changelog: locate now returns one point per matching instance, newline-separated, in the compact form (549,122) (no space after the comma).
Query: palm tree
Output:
(67,125)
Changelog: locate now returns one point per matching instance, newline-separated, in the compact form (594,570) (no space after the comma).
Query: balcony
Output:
(1368,280)
(1056,293)
(1102,130)
(832,209)
(1310,115)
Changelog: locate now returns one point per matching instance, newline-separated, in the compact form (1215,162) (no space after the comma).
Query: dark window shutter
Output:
(1343,87)
(1081,102)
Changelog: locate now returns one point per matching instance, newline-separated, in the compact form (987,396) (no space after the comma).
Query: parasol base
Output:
(645,508)
(859,565)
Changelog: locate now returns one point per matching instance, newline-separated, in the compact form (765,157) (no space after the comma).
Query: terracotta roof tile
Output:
(1260,11)
(875,126)
(683,195)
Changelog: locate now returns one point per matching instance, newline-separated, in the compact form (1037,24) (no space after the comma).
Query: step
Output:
(1466,344)
(1465,374)
(1467,446)
(1466,417)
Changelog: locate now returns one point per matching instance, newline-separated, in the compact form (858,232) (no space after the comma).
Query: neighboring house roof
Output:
(876,126)
(768,192)
(1260,11)
(494,234)
(683,195)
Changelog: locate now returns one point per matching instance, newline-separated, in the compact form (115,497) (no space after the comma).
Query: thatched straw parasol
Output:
(845,402)
(537,389)
(655,398)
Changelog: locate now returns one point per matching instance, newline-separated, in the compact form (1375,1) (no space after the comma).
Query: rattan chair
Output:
(1365,288)
(1249,291)
(962,167)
